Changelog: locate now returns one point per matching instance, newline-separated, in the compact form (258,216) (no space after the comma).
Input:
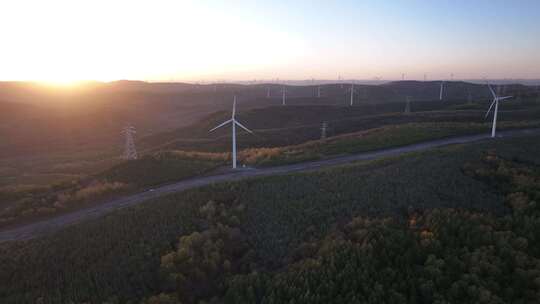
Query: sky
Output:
(158,40)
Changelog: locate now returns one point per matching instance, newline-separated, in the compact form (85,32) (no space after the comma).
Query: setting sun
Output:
(65,40)
(68,41)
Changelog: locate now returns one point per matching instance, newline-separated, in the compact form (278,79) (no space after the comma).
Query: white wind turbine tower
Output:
(234,123)
(407,105)
(495,102)
(130,152)
(319,91)
(352,92)
(441,91)
(268,92)
(283,96)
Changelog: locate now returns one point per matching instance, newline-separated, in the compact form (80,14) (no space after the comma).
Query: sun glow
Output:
(66,41)
(61,83)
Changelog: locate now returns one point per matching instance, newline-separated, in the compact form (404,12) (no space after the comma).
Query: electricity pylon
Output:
(130,152)
(323,129)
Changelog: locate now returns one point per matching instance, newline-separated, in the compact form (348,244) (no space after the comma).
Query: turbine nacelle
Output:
(496,99)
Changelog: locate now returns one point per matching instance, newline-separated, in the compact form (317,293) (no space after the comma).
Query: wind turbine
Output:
(268,92)
(441,91)
(234,123)
(283,96)
(495,102)
(319,91)
(407,105)
(352,91)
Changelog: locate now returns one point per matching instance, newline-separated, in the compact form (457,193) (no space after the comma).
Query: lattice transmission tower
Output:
(324,129)
(130,152)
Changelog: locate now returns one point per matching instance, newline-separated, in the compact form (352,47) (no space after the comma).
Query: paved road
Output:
(49,225)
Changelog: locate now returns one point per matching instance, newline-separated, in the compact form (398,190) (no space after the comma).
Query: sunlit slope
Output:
(289,125)
(88,116)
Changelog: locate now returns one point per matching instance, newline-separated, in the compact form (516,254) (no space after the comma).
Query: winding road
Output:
(46,226)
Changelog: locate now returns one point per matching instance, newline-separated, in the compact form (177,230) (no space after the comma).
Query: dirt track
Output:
(49,225)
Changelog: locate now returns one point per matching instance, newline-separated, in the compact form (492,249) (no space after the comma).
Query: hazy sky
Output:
(192,40)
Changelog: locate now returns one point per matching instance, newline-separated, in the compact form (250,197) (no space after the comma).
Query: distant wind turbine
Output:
(352,91)
(495,102)
(283,96)
(268,92)
(441,91)
(234,123)
(319,91)
(407,105)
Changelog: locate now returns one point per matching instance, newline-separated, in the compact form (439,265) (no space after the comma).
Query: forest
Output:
(453,225)
(28,203)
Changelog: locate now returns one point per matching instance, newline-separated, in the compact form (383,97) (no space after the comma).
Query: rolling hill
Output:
(89,116)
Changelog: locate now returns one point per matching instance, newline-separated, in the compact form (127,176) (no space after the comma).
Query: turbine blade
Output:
(491,106)
(221,125)
(242,126)
(234,107)
(505,97)
(492,92)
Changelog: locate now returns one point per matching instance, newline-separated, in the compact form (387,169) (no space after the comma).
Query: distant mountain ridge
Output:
(90,116)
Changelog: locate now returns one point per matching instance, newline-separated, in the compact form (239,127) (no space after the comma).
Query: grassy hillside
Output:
(52,134)
(369,140)
(267,239)
(89,116)
(292,125)
(274,127)
(27,203)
